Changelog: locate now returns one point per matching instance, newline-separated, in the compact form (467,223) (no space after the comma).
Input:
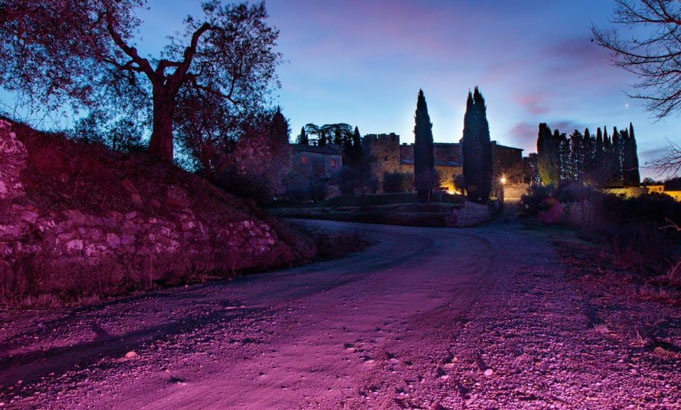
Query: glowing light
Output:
(503,180)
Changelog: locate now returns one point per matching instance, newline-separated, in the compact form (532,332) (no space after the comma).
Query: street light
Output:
(502,180)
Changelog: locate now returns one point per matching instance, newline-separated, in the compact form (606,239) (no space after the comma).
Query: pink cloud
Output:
(534,103)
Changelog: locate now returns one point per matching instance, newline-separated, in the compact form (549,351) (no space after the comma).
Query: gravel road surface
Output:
(429,318)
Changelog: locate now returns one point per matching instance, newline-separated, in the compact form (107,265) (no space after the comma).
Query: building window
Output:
(303,160)
(385,159)
(333,163)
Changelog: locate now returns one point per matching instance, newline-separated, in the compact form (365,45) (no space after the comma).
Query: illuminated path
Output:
(425,318)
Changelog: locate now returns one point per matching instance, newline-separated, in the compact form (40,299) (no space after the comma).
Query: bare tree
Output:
(653,54)
(670,162)
(83,52)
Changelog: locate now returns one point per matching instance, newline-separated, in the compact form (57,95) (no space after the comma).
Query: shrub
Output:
(347,180)
(394,182)
(632,227)
(536,195)
(318,190)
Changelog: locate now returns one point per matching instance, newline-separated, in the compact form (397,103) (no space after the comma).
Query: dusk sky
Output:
(362,62)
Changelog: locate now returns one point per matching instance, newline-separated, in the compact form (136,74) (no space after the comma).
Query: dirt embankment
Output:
(79,220)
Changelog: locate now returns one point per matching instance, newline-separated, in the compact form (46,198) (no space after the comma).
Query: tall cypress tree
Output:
(356,147)
(576,162)
(589,153)
(598,175)
(424,160)
(616,158)
(564,157)
(477,149)
(630,160)
(548,155)
(302,138)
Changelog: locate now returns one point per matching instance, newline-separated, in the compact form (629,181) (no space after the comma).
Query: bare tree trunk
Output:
(161,143)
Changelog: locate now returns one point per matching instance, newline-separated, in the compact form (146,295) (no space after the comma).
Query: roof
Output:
(329,149)
(437,163)
(506,146)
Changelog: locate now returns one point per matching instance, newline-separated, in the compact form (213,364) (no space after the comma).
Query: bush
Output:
(347,180)
(535,198)
(631,226)
(394,182)
(318,190)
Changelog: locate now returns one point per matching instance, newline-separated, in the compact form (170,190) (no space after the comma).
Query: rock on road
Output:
(428,318)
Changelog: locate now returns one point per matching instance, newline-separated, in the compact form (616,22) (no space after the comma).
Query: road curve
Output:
(424,318)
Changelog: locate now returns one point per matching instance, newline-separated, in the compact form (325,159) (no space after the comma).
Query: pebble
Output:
(489,372)
(131,354)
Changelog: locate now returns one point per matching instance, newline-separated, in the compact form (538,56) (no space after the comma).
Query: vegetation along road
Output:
(432,318)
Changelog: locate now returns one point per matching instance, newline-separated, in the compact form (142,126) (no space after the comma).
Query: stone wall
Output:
(385,152)
(469,214)
(108,235)
(515,191)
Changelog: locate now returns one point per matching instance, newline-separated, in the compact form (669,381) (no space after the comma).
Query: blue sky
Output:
(363,62)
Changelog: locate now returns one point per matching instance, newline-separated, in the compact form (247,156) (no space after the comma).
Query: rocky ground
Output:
(491,317)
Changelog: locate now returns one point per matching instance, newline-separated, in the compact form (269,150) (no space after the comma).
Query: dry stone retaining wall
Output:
(79,250)
(469,214)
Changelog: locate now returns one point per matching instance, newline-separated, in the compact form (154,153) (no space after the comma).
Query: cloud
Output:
(524,135)
(652,154)
(535,104)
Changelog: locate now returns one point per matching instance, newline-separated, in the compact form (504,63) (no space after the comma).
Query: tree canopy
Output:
(83,52)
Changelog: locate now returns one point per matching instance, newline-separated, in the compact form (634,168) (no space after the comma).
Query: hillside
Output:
(78,220)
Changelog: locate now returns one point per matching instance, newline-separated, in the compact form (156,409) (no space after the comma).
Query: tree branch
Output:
(142,63)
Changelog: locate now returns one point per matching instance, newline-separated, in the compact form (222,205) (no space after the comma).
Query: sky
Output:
(362,62)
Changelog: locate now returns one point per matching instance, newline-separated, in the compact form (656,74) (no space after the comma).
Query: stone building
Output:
(317,162)
(389,157)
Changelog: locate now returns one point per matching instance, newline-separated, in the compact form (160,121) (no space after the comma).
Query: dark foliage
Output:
(279,129)
(302,138)
(477,149)
(633,227)
(83,52)
(347,179)
(588,159)
(395,182)
(425,177)
(122,134)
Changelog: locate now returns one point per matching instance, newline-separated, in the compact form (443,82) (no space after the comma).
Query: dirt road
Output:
(424,318)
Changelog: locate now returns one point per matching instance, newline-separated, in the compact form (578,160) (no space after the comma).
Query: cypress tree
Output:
(477,149)
(424,161)
(486,144)
(548,154)
(599,159)
(302,138)
(576,162)
(631,176)
(564,157)
(589,153)
(616,158)
(356,147)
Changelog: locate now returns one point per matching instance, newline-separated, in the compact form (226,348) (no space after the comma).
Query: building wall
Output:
(507,161)
(443,152)
(447,152)
(446,174)
(316,165)
(385,151)
(389,156)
